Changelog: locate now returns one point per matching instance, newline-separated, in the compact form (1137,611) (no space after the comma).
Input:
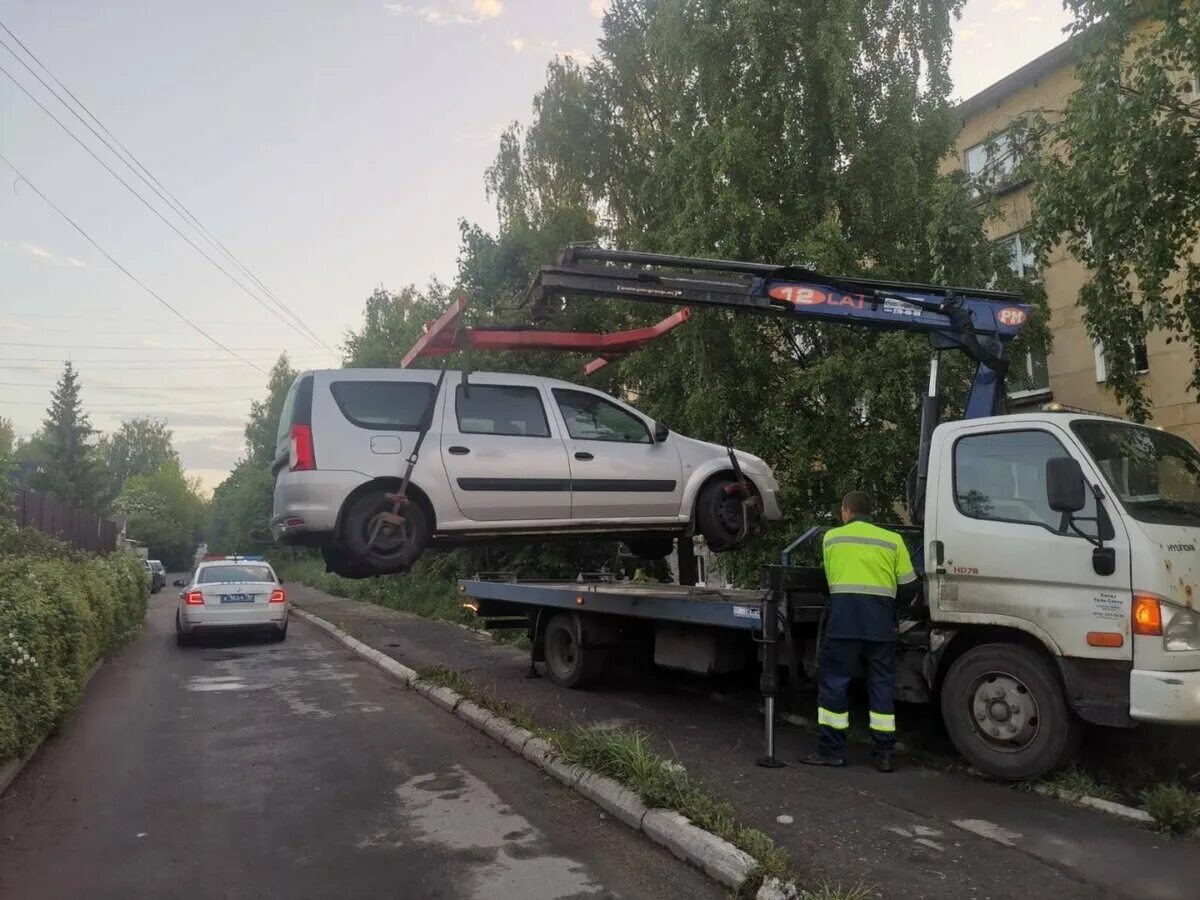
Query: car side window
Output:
(592,418)
(512,410)
(383,405)
(1002,477)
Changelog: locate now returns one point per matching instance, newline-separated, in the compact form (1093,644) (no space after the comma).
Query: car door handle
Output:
(459,451)
(584,455)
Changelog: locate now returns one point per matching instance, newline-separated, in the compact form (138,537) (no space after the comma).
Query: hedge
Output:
(60,612)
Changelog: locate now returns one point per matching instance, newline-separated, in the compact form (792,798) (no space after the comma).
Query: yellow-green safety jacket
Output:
(864,565)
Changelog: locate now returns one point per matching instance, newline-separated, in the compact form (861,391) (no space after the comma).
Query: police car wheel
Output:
(1005,712)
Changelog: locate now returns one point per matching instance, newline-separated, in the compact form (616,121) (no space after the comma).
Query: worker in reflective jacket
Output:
(864,565)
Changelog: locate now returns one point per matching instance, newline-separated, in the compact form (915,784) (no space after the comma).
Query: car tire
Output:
(719,517)
(182,638)
(1005,712)
(569,662)
(279,635)
(393,552)
(651,546)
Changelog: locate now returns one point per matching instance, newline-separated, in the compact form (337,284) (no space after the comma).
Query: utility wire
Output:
(144,347)
(129,405)
(136,387)
(150,206)
(33,187)
(154,184)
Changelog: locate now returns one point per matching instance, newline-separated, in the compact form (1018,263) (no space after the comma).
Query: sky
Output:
(332,146)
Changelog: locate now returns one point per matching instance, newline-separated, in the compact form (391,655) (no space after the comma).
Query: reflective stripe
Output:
(873,589)
(840,721)
(907,578)
(870,542)
(883,722)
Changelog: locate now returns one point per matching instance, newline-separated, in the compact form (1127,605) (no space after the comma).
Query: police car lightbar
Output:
(213,557)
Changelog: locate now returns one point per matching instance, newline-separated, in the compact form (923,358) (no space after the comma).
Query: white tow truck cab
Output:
(1061,573)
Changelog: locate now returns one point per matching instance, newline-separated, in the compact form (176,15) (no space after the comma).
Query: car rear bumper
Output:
(273,616)
(306,504)
(1168,697)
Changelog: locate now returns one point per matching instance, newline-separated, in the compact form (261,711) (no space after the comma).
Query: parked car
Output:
(231,594)
(504,455)
(158,576)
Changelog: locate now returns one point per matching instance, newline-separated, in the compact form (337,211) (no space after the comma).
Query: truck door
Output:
(503,454)
(617,468)
(1008,558)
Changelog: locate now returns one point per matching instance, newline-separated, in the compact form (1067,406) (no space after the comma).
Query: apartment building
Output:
(1074,372)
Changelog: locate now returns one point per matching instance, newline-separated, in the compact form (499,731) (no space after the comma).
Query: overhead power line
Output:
(137,387)
(138,168)
(150,349)
(33,187)
(127,405)
(302,331)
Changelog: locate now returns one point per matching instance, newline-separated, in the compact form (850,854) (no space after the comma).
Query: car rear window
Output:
(501,409)
(231,574)
(297,408)
(383,405)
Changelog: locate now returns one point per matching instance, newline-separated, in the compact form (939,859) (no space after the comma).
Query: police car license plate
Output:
(237,598)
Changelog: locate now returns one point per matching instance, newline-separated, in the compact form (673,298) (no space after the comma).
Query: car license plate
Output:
(237,598)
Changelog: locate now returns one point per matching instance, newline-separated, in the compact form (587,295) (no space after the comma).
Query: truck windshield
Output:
(1156,475)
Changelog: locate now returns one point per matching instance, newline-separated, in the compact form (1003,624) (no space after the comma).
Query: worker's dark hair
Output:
(858,502)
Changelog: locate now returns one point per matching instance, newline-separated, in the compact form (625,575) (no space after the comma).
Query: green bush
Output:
(1175,809)
(60,612)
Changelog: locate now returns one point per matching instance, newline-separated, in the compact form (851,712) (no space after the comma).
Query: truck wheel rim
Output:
(562,652)
(1004,711)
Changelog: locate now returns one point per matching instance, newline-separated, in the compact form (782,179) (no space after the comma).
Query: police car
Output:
(231,593)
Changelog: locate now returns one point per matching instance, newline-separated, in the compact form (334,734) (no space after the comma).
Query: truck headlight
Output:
(1181,628)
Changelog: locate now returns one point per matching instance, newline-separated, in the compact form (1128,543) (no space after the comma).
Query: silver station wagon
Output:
(504,455)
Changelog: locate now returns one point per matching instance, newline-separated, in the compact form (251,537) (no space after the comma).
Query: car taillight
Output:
(278,596)
(304,458)
(194,598)
(1147,615)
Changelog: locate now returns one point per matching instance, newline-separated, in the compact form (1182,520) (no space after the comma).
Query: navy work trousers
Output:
(839,659)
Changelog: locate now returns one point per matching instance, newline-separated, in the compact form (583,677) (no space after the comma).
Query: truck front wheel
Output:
(1005,712)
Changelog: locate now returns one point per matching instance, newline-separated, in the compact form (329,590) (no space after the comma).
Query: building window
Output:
(992,162)
(1137,350)
(1021,258)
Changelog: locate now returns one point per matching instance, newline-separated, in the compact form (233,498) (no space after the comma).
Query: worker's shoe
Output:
(883,762)
(818,759)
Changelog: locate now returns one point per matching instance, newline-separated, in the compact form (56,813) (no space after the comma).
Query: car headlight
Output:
(1181,628)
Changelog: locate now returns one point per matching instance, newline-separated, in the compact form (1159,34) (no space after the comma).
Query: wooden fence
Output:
(45,512)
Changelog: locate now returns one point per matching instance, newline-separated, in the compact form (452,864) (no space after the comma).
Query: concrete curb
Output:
(11,769)
(382,660)
(716,857)
(1129,813)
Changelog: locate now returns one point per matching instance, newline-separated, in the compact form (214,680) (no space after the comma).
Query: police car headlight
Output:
(1181,628)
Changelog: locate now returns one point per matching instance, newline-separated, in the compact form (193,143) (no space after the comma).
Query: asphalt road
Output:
(246,769)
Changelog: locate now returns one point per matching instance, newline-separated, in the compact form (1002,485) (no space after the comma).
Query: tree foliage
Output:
(1117,177)
(62,453)
(164,511)
(139,446)
(264,415)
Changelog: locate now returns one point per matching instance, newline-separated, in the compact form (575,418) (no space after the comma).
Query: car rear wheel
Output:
(721,519)
(182,638)
(375,543)
(279,635)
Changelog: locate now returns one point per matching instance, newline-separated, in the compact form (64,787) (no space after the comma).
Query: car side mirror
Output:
(1066,490)
(281,581)
(661,432)
(179,583)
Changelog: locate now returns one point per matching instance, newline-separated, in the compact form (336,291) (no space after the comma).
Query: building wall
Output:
(1072,360)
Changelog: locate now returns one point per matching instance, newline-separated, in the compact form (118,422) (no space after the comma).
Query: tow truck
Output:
(1057,549)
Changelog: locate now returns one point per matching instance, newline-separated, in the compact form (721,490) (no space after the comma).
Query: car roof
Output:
(452,374)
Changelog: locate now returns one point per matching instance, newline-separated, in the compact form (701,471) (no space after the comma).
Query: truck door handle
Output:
(939,554)
(584,455)
(459,451)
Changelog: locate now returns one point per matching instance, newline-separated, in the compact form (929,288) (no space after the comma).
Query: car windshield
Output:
(1155,475)
(231,574)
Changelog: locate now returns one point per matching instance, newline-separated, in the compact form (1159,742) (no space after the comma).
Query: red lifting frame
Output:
(446,335)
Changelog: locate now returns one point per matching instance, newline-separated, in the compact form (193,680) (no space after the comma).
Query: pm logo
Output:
(1012,316)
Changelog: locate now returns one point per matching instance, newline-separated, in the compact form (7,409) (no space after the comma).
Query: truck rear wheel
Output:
(570,663)
(1006,714)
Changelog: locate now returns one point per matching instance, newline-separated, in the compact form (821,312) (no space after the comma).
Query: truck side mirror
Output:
(661,432)
(1066,491)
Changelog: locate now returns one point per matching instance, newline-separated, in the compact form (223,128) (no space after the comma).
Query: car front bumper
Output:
(1167,697)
